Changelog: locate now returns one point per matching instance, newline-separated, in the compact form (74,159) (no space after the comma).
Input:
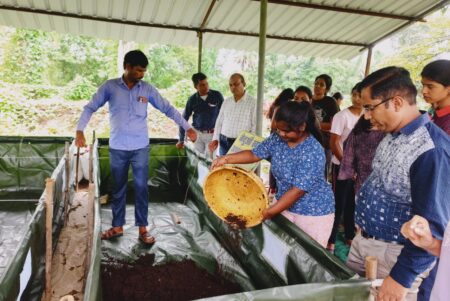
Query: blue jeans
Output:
(225,144)
(120,162)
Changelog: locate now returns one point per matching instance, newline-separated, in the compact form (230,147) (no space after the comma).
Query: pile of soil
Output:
(141,281)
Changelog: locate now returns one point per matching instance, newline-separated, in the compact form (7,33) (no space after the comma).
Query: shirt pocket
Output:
(140,108)
(212,104)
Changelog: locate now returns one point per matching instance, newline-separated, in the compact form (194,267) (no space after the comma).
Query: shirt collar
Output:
(122,82)
(207,94)
(242,98)
(443,112)
(415,124)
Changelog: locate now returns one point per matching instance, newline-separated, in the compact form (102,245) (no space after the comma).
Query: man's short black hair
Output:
(389,82)
(197,77)
(135,58)
(327,79)
(304,89)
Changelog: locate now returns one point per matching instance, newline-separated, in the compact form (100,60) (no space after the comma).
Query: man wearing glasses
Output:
(409,177)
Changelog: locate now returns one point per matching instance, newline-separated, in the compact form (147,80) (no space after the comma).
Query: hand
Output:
(219,162)
(391,290)
(191,134)
(80,141)
(418,231)
(213,145)
(267,214)
(180,145)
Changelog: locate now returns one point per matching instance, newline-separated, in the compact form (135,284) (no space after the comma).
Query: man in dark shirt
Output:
(205,104)
(409,177)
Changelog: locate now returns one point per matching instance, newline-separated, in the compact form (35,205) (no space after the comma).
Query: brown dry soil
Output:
(172,281)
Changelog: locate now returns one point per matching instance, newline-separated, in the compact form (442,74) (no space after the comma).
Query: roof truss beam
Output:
(164,26)
(344,10)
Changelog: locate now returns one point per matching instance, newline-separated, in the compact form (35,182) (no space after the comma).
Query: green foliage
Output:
(80,88)
(39,91)
(26,57)
(179,93)
(283,72)
(85,56)
(170,64)
(418,45)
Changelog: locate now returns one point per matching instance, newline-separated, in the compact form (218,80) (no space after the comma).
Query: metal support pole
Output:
(67,179)
(200,50)
(369,59)
(261,61)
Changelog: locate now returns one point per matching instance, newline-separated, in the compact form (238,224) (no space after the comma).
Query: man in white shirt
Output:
(238,113)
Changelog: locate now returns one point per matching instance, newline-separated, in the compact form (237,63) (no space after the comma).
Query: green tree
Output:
(170,64)
(26,57)
(90,58)
(417,45)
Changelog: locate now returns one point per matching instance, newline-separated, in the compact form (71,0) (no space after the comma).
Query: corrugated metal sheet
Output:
(145,21)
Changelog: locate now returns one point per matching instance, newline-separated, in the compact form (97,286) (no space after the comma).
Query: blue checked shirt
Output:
(127,115)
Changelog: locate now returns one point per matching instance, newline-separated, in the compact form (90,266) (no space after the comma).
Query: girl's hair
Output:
(337,96)
(327,79)
(306,90)
(357,88)
(284,96)
(295,114)
(438,71)
(362,125)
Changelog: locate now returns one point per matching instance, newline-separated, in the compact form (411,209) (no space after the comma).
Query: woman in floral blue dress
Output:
(298,161)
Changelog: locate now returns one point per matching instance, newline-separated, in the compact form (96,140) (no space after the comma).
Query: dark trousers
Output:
(344,195)
(120,162)
(225,144)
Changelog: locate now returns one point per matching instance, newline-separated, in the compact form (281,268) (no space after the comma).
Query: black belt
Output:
(206,131)
(228,139)
(368,236)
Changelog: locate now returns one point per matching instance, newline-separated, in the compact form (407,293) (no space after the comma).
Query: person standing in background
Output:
(238,113)
(303,93)
(436,92)
(205,104)
(344,194)
(325,108)
(339,98)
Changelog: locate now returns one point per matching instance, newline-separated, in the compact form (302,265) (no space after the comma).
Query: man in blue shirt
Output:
(205,104)
(128,98)
(409,177)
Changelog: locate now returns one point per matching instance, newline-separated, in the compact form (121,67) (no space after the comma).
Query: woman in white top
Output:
(341,126)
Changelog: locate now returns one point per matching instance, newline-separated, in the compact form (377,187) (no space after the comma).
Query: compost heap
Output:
(141,280)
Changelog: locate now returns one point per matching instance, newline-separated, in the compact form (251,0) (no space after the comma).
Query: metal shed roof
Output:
(327,28)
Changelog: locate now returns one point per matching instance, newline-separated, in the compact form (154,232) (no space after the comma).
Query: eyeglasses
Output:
(370,108)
